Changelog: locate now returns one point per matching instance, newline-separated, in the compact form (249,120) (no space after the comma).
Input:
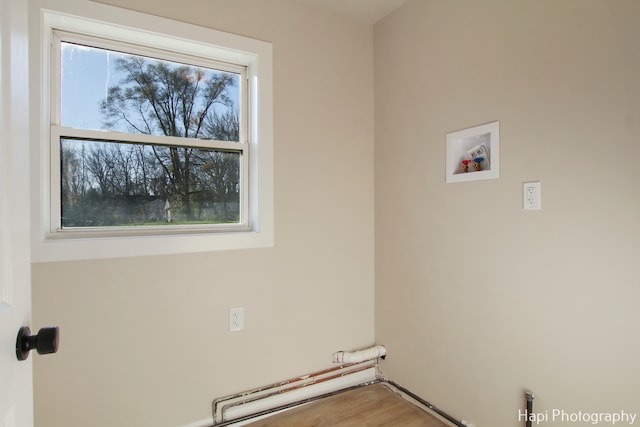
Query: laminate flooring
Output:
(374,405)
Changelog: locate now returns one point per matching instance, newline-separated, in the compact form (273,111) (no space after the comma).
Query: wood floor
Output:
(373,405)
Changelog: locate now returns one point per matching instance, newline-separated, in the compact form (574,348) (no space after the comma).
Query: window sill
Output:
(69,249)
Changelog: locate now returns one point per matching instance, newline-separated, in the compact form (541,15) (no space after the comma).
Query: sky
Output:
(86,75)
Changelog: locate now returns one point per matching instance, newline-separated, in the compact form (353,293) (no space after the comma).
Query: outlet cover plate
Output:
(236,319)
(531,195)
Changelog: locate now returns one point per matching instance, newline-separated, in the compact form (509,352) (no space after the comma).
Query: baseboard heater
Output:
(249,406)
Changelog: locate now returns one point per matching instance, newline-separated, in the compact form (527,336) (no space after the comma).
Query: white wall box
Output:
(474,153)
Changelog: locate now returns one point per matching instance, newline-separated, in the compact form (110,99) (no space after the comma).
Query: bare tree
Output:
(162,98)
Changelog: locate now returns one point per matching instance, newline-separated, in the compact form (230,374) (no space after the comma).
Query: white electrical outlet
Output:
(236,319)
(531,195)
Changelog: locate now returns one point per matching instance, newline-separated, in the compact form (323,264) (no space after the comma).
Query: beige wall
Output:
(476,298)
(144,341)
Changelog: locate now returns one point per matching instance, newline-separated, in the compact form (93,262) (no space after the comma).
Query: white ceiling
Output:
(367,11)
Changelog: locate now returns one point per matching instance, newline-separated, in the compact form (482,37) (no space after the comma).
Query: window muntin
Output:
(175,135)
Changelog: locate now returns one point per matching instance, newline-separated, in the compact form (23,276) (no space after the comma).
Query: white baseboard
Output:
(202,423)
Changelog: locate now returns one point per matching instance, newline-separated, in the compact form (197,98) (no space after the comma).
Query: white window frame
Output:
(59,132)
(117,25)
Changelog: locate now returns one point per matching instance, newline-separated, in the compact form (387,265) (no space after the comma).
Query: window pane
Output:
(105,89)
(111,184)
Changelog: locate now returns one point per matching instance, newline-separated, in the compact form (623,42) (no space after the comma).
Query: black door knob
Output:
(45,342)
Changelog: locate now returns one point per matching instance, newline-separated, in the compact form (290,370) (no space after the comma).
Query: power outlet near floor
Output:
(531,195)
(236,319)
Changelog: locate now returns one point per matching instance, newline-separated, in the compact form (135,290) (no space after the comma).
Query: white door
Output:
(16,390)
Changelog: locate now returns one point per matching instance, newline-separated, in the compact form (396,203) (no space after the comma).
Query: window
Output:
(151,137)
(174,150)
